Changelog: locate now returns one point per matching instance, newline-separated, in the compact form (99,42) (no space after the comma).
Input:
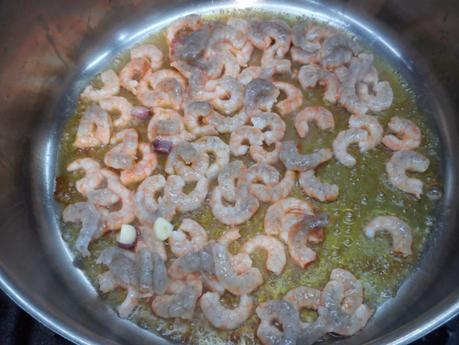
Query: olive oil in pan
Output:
(365,192)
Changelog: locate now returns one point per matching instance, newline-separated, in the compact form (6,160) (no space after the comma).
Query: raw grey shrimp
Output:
(123,155)
(276,258)
(103,197)
(322,117)
(337,50)
(283,313)
(224,64)
(271,124)
(230,178)
(407,135)
(91,224)
(260,95)
(201,261)
(163,88)
(245,134)
(111,87)
(297,241)
(93,178)
(198,117)
(189,237)
(303,297)
(148,204)
(150,52)
(120,105)
(143,168)
(185,202)
(218,149)
(243,208)
(264,183)
(402,161)
(294,98)
(179,305)
(94,128)
(228,34)
(225,95)
(377,96)
(152,242)
(222,317)
(113,220)
(317,189)
(306,37)
(400,231)
(311,75)
(151,272)
(228,123)
(342,142)
(236,284)
(293,160)
(190,22)
(353,296)
(187,161)
(132,73)
(168,125)
(281,215)
(372,126)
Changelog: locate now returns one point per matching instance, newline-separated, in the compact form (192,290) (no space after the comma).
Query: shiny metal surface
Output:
(51,48)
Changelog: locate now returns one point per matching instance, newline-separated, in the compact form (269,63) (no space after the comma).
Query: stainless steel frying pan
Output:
(51,48)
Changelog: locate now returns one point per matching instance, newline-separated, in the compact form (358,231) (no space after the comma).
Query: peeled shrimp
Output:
(222,317)
(372,126)
(337,50)
(218,149)
(168,125)
(111,87)
(198,118)
(189,237)
(241,262)
(353,290)
(225,95)
(123,155)
(407,135)
(185,202)
(94,128)
(260,95)
(191,22)
(276,258)
(378,96)
(152,242)
(294,98)
(264,183)
(261,155)
(143,168)
(266,72)
(149,52)
(293,160)
(91,223)
(271,124)
(187,161)
(228,123)
(132,73)
(313,187)
(230,178)
(321,116)
(311,75)
(346,138)
(303,297)
(283,313)
(244,134)
(398,229)
(396,168)
(120,105)
(93,177)
(236,284)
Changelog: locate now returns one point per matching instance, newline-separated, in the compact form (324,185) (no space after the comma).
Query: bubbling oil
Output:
(365,193)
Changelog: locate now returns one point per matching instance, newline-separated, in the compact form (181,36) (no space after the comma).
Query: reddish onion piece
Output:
(141,113)
(162,146)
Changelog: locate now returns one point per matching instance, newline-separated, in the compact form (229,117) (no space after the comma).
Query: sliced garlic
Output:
(163,229)
(127,235)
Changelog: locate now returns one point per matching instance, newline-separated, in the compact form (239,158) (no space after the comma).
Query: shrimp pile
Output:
(205,125)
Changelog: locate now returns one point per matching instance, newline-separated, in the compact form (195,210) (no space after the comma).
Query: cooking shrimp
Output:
(276,258)
(93,178)
(190,22)
(185,202)
(198,118)
(337,50)
(149,52)
(407,135)
(311,75)
(372,126)
(400,231)
(293,160)
(271,124)
(353,290)
(111,87)
(261,155)
(396,168)
(94,128)
(316,189)
(377,96)
(152,242)
(346,138)
(187,161)
(123,155)
(294,98)
(120,105)
(264,183)
(278,312)
(303,297)
(189,237)
(222,317)
(240,262)
(260,95)
(230,178)
(218,149)
(236,284)
(225,95)
(168,125)
(253,136)
(321,116)
(132,73)
(142,169)
(228,123)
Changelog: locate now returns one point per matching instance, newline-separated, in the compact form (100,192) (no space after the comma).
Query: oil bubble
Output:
(434,194)
(380,197)
(364,200)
